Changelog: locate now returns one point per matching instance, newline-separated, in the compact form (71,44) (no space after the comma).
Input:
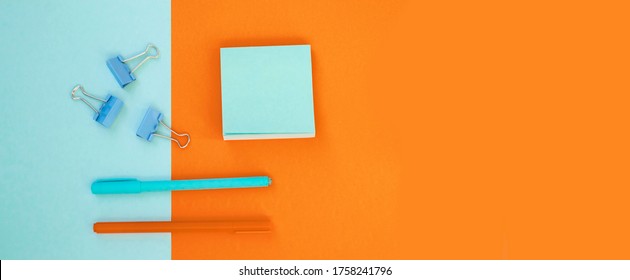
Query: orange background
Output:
(448,130)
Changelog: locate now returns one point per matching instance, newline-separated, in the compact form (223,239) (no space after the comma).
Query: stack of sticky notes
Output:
(267,92)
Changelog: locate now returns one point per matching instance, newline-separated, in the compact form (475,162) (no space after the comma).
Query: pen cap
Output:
(117,186)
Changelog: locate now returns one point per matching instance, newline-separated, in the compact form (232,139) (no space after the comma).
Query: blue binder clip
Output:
(148,128)
(120,69)
(109,109)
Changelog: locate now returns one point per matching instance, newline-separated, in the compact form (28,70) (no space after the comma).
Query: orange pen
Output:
(168,226)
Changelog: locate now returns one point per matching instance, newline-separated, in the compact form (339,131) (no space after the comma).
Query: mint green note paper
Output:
(267,92)
(51,149)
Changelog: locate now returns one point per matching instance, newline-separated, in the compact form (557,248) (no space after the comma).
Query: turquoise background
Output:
(51,149)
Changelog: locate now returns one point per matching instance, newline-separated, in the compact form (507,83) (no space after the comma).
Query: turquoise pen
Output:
(127,186)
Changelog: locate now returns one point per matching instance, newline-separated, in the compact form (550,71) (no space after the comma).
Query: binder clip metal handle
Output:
(149,126)
(108,111)
(121,71)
